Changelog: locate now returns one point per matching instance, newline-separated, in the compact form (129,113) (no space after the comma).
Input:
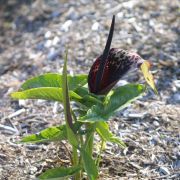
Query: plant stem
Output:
(90,138)
(75,162)
(75,156)
(75,120)
(99,155)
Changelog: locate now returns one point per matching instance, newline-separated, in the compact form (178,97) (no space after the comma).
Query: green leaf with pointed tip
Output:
(89,165)
(47,93)
(54,80)
(60,173)
(122,96)
(49,134)
(115,100)
(102,128)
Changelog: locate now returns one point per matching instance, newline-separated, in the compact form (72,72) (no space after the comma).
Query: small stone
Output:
(72,14)
(176,98)
(65,27)
(33,170)
(136,115)
(95,26)
(3,156)
(48,34)
(23,102)
(120,14)
(48,43)
(55,14)
(40,46)
(122,83)
(177,83)
(153,142)
(55,108)
(156,123)
(164,170)
(176,164)
(32,147)
(55,41)
(53,54)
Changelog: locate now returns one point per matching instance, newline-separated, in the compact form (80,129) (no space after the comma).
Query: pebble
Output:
(55,14)
(33,169)
(120,15)
(153,142)
(40,46)
(176,98)
(122,83)
(55,41)
(72,14)
(32,147)
(3,157)
(164,170)
(156,123)
(95,26)
(65,27)
(176,164)
(53,54)
(137,115)
(48,43)
(23,102)
(55,108)
(48,34)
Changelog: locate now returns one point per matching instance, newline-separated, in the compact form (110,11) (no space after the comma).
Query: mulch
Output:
(32,36)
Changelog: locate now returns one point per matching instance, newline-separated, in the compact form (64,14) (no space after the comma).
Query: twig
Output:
(17,113)
(4,127)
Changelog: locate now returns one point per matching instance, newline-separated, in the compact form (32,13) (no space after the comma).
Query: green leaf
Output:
(54,80)
(89,165)
(60,173)
(122,96)
(115,100)
(102,129)
(49,134)
(47,93)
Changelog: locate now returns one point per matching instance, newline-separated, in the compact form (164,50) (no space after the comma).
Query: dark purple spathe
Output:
(118,63)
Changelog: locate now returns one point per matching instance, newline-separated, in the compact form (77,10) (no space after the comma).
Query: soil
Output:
(32,36)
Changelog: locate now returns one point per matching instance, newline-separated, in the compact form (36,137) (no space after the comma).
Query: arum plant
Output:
(96,101)
(113,64)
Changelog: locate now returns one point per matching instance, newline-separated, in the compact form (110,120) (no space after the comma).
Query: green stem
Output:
(75,162)
(75,120)
(99,155)
(90,137)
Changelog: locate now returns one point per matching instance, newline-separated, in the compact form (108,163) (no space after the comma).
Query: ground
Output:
(33,36)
